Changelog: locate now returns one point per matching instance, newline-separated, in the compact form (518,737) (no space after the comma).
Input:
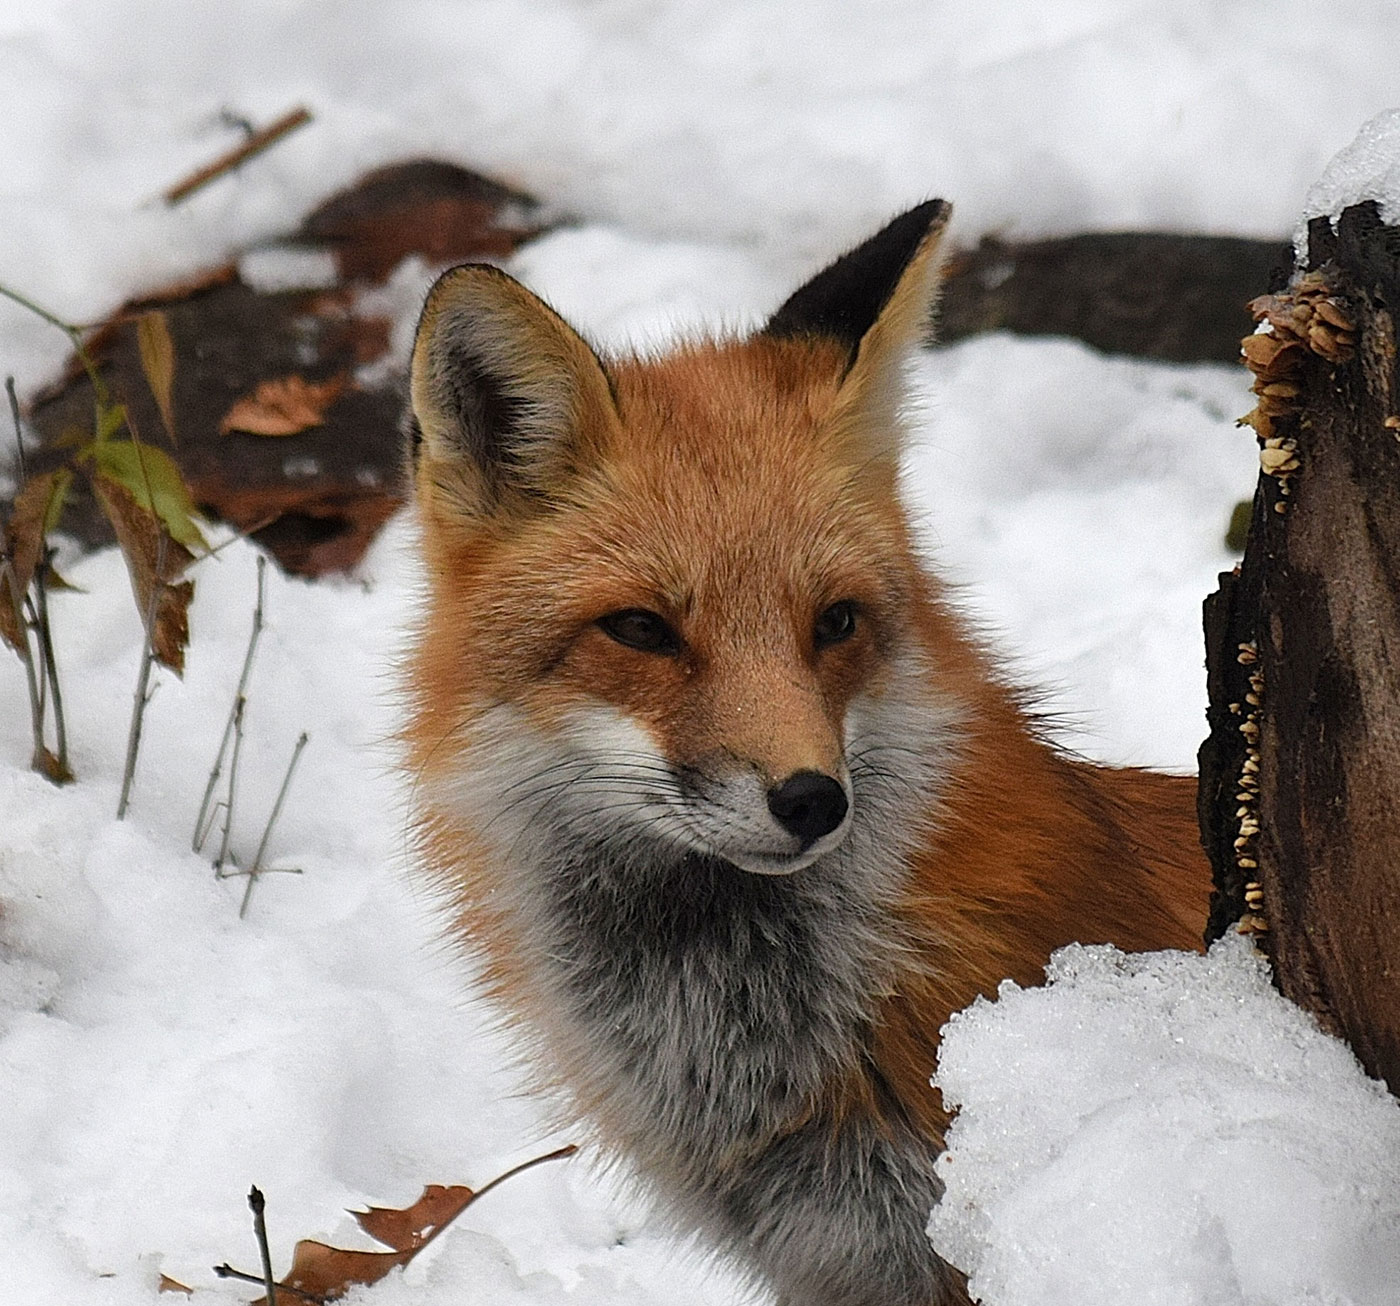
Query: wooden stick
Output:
(255,144)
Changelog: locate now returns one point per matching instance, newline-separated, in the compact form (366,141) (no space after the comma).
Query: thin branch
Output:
(46,649)
(557,1155)
(256,868)
(259,1205)
(222,859)
(9,582)
(143,680)
(226,1271)
(72,331)
(19,436)
(255,144)
(201,829)
(243,533)
(39,603)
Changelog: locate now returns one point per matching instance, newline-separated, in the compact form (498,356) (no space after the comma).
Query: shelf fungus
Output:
(1304,319)
(1253,920)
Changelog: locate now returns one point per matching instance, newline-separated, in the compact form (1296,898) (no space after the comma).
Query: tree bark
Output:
(1300,775)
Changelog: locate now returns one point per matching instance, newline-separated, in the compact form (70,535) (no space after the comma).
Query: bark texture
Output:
(1300,777)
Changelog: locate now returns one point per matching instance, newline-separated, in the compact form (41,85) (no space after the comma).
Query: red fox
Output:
(731,805)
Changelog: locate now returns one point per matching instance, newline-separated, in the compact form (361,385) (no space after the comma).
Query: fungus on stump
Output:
(1300,774)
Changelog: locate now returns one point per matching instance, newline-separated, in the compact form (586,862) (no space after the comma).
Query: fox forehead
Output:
(716,482)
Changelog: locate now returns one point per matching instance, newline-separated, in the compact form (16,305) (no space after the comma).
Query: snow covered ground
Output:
(158,1055)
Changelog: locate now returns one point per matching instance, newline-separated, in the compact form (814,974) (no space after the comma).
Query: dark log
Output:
(1179,299)
(1307,851)
(314,499)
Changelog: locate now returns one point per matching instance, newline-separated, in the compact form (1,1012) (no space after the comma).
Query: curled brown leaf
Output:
(283,406)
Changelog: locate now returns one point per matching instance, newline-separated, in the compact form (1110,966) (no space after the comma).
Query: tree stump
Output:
(1300,775)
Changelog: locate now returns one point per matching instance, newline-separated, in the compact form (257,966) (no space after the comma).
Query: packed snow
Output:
(1366,169)
(158,1054)
(1164,1129)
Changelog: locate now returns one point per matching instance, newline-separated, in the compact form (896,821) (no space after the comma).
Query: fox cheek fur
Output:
(732,809)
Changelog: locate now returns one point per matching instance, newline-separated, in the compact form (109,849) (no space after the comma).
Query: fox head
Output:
(673,600)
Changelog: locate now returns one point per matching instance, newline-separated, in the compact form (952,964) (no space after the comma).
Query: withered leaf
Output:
(158,363)
(37,508)
(330,1272)
(167,1284)
(155,561)
(153,479)
(415,1226)
(285,405)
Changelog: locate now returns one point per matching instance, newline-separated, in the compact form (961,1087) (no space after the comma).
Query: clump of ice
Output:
(1164,1129)
(1367,169)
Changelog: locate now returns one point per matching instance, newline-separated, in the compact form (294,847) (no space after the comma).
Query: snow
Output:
(158,1054)
(1367,169)
(1164,1129)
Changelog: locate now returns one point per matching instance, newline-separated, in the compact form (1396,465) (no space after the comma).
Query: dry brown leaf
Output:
(158,363)
(330,1272)
(415,1226)
(283,406)
(167,1284)
(155,561)
(33,514)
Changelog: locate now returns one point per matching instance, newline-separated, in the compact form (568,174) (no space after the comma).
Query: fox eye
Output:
(637,628)
(836,623)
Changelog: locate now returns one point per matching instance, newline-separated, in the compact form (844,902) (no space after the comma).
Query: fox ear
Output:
(508,399)
(876,301)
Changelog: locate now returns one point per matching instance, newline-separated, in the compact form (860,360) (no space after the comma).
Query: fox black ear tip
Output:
(935,213)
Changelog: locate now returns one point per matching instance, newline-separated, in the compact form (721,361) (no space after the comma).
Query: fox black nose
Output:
(808,805)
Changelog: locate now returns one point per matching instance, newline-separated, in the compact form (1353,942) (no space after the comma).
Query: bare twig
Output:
(10,584)
(223,858)
(19,436)
(226,1271)
(46,649)
(39,604)
(242,533)
(201,828)
(143,681)
(75,338)
(259,1205)
(257,868)
(255,144)
(558,1154)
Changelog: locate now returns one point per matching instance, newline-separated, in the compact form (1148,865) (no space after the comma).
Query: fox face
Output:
(686,583)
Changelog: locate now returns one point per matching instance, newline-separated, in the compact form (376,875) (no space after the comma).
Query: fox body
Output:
(730,804)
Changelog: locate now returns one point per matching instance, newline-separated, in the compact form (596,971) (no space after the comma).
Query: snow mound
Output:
(1164,1129)
(1367,169)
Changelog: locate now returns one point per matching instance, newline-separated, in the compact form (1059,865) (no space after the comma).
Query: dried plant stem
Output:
(43,682)
(36,702)
(143,682)
(255,144)
(240,703)
(204,822)
(226,1271)
(75,337)
(257,867)
(558,1154)
(259,1205)
(44,632)
(19,436)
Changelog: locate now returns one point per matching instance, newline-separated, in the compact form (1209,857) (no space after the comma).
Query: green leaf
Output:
(110,419)
(58,499)
(152,478)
